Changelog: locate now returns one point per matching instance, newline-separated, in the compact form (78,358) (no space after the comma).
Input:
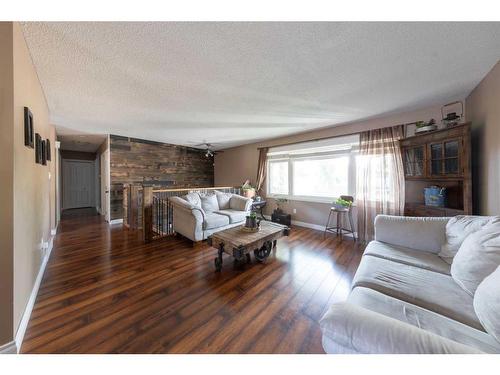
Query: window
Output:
(278,177)
(313,171)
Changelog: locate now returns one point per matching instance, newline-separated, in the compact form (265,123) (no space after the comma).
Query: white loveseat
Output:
(197,216)
(424,285)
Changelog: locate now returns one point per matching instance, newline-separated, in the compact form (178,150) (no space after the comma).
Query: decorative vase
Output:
(249,193)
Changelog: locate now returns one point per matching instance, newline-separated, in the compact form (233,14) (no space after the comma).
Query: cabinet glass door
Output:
(445,158)
(414,161)
(451,164)
(436,158)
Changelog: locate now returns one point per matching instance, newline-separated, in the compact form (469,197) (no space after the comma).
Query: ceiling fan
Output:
(209,152)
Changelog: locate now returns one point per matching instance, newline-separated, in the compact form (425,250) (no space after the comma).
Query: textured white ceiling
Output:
(77,140)
(233,83)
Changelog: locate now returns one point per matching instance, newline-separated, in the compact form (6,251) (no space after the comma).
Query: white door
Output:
(105,181)
(78,184)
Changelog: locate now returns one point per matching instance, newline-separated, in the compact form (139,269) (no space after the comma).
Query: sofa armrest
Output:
(364,331)
(419,233)
(182,204)
(188,219)
(240,203)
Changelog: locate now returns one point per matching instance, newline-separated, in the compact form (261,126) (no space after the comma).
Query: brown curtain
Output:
(261,168)
(380,186)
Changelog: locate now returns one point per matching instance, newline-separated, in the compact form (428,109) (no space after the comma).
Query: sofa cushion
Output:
(213,220)
(193,198)
(234,216)
(428,289)
(487,304)
(478,256)
(223,199)
(209,203)
(424,319)
(420,233)
(239,203)
(357,329)
(457,229)
(408,256)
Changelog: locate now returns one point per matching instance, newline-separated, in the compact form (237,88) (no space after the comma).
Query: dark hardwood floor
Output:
(104,291)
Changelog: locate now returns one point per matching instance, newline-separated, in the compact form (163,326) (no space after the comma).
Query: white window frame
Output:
(352,153)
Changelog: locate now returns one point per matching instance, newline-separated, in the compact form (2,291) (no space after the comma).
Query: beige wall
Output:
(7,186)
(33,197)
(483,110)
(34,188)
(235,165)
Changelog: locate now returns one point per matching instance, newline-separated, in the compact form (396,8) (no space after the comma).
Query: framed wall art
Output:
(28,128)
(48,152)
(38,149)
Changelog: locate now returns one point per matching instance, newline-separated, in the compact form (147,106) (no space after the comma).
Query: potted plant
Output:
(251,220)
(279,203)
(340,203)
(423,126)
(248,189)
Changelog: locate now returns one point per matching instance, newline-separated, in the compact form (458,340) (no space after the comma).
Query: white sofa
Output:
(407,295)
(197,216)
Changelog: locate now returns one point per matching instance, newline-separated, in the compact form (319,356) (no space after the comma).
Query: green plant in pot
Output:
(342,203)
(251,220)
(279,203)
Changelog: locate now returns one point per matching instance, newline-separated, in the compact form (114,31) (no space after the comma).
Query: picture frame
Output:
(44,152)
(28,128)
(38,149)
(48,151)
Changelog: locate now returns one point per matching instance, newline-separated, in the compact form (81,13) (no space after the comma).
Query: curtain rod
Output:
(329,137)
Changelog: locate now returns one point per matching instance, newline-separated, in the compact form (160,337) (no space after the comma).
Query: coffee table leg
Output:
(218,259)
(262,253)
(274,244)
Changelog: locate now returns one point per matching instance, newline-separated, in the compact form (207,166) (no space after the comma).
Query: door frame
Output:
(105,184)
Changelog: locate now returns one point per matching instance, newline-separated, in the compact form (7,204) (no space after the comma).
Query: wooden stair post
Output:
(126,192)
(147,213)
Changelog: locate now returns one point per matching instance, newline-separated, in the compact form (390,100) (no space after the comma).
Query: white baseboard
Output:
(308,225)
(53,231)
(116,221)
(311,226)
(21,330)
(9,348)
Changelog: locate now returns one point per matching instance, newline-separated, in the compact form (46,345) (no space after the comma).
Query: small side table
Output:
(258,206)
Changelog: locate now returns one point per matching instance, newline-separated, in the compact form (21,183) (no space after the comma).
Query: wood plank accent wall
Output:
(137,161)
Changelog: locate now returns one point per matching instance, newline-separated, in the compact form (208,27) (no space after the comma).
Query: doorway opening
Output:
(83,185)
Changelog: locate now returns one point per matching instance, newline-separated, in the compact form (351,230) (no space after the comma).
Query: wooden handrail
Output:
(193,188)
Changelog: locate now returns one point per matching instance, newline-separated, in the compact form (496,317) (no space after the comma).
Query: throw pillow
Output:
(487,304)
(223,199)
(209,203)
(478,256)
(194,199)
(457,229)
(239,203)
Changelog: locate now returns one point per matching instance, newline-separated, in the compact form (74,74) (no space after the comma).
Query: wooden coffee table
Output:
(239,244)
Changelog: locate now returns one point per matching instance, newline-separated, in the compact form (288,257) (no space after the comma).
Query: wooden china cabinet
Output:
(438,158)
